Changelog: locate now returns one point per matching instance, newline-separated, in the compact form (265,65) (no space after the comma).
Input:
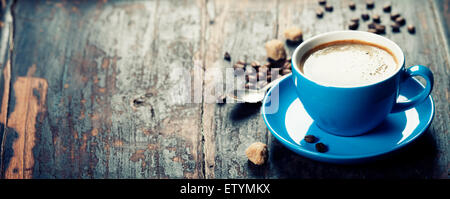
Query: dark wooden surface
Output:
(95,89)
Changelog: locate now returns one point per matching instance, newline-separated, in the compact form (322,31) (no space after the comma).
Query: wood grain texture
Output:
(98,89)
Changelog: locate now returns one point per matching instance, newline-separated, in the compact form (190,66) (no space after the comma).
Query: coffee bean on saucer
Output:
(400,21)
(319,12)
(394,16)
(322,2)
(395,27)
(227,56)
(381,29)
(411,29)
(322,148)
(365,16)
(370,4)
(372,30)
(352,5)
(353,26)
(310,138)
(387,7)
(328,7)
(376,18)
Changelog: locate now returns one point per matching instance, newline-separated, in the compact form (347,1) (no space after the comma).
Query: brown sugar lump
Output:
(257,153)
(293,34)
(275,50)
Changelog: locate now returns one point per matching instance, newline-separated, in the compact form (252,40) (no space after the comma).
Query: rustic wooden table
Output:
(96,89)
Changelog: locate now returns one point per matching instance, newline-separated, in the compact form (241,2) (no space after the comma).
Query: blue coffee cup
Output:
(355,110)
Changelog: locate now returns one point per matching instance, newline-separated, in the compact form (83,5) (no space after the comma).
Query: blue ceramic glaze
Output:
(288,121)
(352,111)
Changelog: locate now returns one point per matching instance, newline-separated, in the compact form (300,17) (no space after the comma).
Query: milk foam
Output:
(349,64)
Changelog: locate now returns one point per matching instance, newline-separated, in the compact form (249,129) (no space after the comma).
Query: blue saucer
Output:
(289,123)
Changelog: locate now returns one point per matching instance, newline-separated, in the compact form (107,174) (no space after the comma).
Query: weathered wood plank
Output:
(114,106)
(240,28)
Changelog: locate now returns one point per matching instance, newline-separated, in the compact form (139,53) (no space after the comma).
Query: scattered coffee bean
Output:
(310,138)
(353,26)
(329,8)
(372,25)
(387,7)
(381,29)
(275,50)
(394,16)
(370,4)
(293,34)
(352,5)
(322,2)
(376,18)
(227,56)
(249,85)
(400,21)
(411,29)
(395,27)
(372,30)
(365,16)
(322,148)
(319,12)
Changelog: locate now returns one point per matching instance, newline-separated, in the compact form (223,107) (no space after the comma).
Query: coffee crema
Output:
(348,63)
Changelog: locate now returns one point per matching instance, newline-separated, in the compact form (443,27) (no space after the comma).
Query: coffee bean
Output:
(376,18)
(395,27)
(352,5)
(310,138)
(411,29)
(387,7)
(372,30)
(285,71)
(365,16)
(322,148)
(370,4)
(372,25)
(381,29)
(353,25)
(400,21)
(322,2)
(355,19)
(394,16)
(227,56)
(319,12)
(249,85)
(329,8)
